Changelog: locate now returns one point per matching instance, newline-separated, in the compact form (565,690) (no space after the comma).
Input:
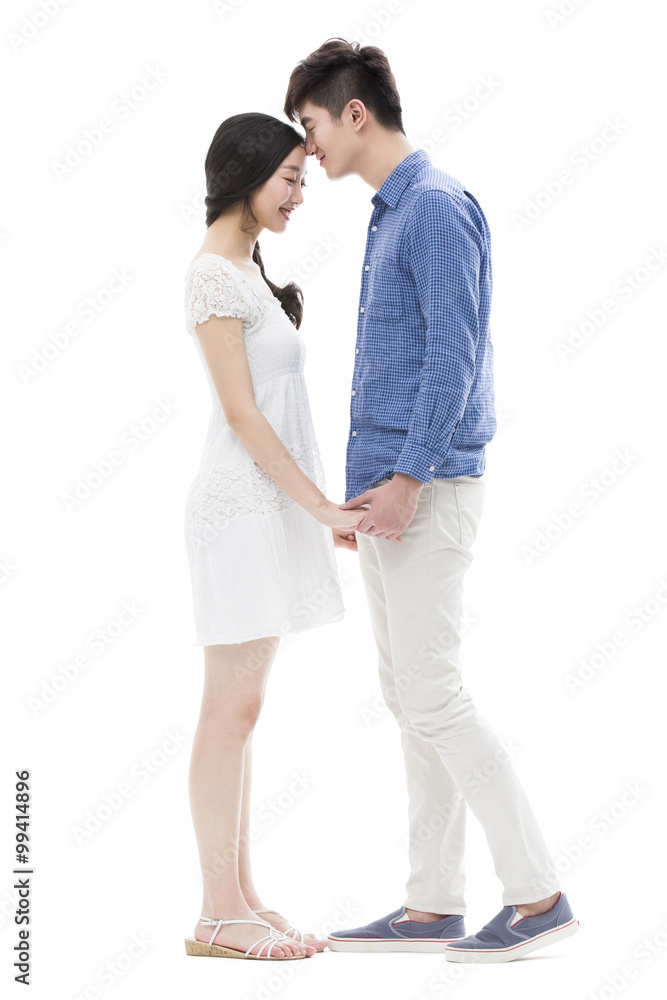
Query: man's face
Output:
(333,144)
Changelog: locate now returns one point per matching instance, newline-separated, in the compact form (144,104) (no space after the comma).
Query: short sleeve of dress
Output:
(212,289)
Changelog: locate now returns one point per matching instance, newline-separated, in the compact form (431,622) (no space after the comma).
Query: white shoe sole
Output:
(515,950)
(201,949)
(389,944)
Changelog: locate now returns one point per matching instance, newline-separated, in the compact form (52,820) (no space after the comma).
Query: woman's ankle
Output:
(226,907)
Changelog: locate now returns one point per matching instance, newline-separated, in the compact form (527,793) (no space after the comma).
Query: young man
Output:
(422,410)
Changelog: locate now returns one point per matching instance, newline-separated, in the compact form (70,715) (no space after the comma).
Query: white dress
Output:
(260,564)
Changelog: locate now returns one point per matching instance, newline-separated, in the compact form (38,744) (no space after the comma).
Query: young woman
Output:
(259,531)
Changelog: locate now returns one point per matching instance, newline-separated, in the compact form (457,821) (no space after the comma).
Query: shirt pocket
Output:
(386,297)
(386,307)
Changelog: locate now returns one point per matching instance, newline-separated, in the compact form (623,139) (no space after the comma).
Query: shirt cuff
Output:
(418,463)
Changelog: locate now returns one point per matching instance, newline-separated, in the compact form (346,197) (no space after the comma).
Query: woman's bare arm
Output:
(223,345)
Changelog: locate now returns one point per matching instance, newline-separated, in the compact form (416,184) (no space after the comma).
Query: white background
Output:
(337,855)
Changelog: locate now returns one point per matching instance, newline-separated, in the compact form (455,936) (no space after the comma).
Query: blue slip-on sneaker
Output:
(509,935)
(396,932)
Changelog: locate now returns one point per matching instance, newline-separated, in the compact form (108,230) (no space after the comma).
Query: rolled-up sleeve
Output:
(444,253)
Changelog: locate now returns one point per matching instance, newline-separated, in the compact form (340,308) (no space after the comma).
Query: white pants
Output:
(452,756)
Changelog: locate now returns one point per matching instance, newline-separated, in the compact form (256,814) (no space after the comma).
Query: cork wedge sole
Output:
(195,947)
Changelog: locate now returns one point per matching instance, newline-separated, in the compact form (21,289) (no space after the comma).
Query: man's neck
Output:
(383,158)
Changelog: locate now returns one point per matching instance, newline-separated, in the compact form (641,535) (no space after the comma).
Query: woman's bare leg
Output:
(246,882)
(234,680)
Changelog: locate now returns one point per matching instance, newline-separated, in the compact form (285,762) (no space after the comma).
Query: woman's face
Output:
(274,201)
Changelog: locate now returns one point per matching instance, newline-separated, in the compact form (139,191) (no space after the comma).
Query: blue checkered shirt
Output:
(422,398)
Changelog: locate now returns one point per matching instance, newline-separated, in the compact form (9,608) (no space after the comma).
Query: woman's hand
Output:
(344,521)
(344,540)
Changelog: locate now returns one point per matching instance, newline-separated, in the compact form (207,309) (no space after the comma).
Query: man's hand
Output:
(391,507)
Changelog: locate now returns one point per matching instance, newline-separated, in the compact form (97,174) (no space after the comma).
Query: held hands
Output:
(384,512)
(389,507)
(343,523)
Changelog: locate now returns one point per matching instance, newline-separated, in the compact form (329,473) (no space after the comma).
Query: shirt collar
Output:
(394,186)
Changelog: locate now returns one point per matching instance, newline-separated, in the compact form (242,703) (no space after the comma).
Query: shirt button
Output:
(354,392)
(357,351)
(362,309)
(431,468)
(354,434)
(367,268)
(374,228)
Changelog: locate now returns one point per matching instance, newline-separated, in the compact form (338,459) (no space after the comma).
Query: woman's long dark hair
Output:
(246,150)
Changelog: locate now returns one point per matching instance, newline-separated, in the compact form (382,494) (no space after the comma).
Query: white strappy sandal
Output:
(195,947)
(300,938)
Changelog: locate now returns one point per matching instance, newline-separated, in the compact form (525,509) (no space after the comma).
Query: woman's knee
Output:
(228,711)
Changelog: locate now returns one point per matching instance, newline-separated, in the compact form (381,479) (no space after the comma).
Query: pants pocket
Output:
(469,504)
